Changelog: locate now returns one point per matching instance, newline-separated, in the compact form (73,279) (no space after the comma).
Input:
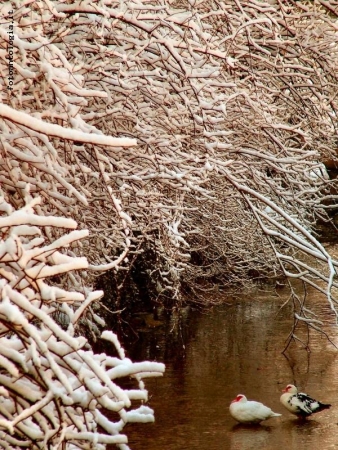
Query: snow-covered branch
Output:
(53,387)
(49,129)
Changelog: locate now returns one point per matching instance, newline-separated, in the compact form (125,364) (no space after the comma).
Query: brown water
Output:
(211,357)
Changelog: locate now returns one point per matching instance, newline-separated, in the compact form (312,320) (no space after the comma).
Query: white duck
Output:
(299,403)
(248,411)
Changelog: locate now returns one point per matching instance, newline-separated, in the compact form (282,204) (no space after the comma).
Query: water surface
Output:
(236,348)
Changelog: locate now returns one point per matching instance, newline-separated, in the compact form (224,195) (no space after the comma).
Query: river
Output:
(236,348)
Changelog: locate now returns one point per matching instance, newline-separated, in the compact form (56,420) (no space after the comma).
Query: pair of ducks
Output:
(298,403)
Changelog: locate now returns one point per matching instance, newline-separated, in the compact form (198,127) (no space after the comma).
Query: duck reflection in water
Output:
(300,426)
(249,437)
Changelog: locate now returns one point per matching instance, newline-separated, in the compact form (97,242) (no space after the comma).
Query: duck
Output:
(300,404)
(250,412)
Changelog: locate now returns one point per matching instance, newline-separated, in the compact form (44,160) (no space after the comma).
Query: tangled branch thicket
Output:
(233,105)
(194,131)
(54,391)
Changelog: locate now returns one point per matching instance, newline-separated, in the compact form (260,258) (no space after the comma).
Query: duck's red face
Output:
(288,388)
(238,398)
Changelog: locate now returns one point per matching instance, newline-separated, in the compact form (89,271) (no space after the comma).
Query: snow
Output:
(50,129)
(43,271)
(143,414)
(318,172)
(88,436)
(9,366)
(137,394)
(112,337)
(25,218)
(127,367)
